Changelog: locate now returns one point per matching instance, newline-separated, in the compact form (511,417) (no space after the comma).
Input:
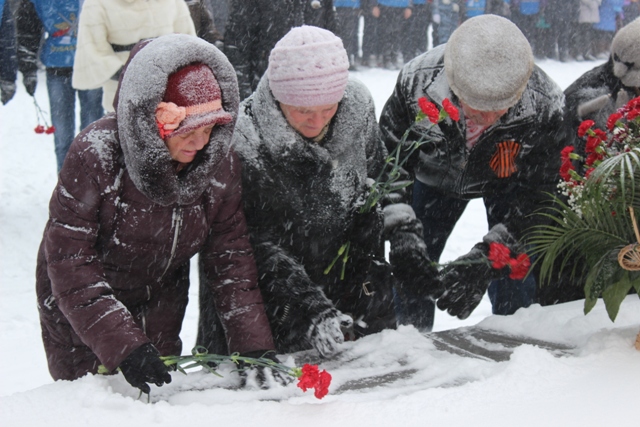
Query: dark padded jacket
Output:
(300,198)
(513,164)
(113,266)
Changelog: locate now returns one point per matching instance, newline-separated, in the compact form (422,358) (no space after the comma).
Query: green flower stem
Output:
(201,358)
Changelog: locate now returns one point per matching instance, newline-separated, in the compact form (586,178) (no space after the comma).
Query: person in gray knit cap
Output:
(504,149)
(599,92)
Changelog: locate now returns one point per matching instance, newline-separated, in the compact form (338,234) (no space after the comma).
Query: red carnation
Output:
(39,129)
(633,114)
(566,165)
(499,255)
(584,127)
(312,378)
(519,266)
(451,110)
(429,109)
(613,119)
(50,130)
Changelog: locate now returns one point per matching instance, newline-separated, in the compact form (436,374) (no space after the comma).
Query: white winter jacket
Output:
(106,26)
(589,11)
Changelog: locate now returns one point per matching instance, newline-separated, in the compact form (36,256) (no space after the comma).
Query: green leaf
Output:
(615,294)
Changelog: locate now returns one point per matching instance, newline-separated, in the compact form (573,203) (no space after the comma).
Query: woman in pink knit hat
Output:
(308,139)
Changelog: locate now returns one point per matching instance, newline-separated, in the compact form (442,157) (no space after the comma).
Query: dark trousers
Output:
(391,23)
(418,39)
(348,18)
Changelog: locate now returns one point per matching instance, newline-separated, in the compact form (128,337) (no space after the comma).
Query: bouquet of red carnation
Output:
(595,232)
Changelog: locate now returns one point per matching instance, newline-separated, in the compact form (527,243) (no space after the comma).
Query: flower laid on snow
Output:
(168,117)
(311,377)
(590,235)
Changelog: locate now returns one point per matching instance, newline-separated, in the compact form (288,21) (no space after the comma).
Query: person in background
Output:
(108,30)
(446,17)
(310,147)
(631,10)
(561,15)
(203,22)
(601,91)
(220,11)
(526,15)
(498,7)
(610,14)
(8,59)
(505,149)
(133,203)
(370,41)
(56,21)
(255,26)
(588,15)
(418,35)
(348,17)
(394,16)
(471,8)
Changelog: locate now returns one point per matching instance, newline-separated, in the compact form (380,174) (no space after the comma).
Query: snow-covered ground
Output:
(596,382)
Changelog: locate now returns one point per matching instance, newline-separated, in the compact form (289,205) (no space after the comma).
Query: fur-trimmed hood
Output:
(142,87)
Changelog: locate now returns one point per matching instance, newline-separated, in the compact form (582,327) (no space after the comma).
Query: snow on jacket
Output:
(299,198)
(255,26)
(512,165)
(108,29)
(113,266)
(57,20)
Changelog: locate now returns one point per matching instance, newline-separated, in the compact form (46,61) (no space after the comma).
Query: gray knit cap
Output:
(625,50)
(488,62)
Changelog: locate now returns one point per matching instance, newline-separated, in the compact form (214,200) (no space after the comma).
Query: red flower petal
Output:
(499,255)
(584,127)
(519,267)
(451,110)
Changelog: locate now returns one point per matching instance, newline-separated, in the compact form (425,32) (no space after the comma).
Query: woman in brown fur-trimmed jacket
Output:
(140,193)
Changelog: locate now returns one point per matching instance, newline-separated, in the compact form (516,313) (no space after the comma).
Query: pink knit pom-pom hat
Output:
(308,67)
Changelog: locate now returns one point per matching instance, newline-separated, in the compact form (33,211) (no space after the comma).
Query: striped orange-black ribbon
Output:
(503,162)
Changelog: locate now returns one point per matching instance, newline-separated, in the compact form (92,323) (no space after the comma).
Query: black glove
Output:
(465,284)
(30,81)
(366,231)
(327,331)
(144,366)
(7,90)
(263,377)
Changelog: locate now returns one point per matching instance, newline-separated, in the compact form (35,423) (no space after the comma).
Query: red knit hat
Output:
(192,100)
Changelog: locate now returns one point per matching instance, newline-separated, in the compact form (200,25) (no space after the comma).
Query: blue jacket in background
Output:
(529,7)
(475,7)
(59,19)
(609,9)
(355,4)
(394,3)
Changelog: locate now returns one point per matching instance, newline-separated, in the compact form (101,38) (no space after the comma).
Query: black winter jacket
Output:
(255,26)
(300,198)
(513,163)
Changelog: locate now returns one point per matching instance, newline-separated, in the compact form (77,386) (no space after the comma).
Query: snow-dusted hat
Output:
(308,67)
(488,62)
(625,50)
(192,99)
